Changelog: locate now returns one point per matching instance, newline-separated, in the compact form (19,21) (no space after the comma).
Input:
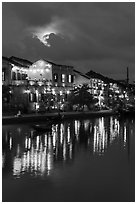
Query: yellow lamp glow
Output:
(47,70)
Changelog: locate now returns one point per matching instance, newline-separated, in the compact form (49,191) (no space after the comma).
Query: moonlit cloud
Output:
(43,32)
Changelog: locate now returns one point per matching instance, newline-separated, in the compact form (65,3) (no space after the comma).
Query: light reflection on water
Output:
(26,151)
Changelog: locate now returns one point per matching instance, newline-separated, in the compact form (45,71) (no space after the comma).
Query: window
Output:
(69,78)
(32,97)
(42,97)
(3,76)
(13,76)
(18,76)
(62,77)
(39,97)
(55,77)
(24,76)
(72,78)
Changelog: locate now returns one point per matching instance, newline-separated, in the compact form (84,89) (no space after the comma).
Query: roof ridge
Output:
(20,59)
(102,77)
(82,74)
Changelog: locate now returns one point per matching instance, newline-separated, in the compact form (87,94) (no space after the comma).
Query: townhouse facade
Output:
(37,85)
(109,91)
(44,85)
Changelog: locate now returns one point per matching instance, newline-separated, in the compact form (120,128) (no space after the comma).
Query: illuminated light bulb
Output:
(47,70)
(38,70)
(34,71)
(48,65)
(41,71)
(31,82)
(14,68)
(10,142)
(53,91)
(27,91)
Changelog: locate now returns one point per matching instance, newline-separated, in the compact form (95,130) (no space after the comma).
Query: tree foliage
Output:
(82,96)
(5,93)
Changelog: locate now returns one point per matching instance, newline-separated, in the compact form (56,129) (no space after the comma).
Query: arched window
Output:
(32,97)
(24,75)
(18,75)
(13,76)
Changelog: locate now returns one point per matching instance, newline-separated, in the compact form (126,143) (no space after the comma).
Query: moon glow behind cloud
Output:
(43,33)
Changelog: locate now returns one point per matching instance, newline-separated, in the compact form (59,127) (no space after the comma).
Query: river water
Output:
(78,160)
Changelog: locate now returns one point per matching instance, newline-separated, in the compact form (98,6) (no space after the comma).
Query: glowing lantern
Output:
(14,68)
(47,70)
(53,91)
(40,83)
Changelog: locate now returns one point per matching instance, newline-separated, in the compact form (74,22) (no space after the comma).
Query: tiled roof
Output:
(11,61)
(22,62)
(61,65)
(96,75)
(5,58)
(80,73)
(15,63)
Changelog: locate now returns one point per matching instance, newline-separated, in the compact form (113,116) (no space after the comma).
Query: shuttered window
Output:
(62,77)
(55,77)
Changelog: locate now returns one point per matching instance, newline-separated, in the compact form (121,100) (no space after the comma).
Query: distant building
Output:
(110,91)
(97,87)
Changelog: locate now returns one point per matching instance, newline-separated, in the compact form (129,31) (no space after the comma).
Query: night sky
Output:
(90,36)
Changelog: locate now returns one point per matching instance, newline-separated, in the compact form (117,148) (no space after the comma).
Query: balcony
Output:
(19,82)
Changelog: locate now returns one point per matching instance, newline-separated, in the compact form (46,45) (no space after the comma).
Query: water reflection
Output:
(26,151)
(105,133)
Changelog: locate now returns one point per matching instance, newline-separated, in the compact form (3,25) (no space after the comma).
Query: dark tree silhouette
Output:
(5,93)
(82,96)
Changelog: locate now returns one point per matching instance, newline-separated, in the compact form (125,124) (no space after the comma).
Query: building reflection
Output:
(39,154)
(106,130)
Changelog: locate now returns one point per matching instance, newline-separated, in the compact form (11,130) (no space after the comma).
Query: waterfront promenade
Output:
(36,117)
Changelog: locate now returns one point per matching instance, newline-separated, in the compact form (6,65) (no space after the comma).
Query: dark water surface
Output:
(78,160)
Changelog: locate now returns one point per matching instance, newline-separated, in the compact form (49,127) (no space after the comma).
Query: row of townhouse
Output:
(43,84)
(32,84)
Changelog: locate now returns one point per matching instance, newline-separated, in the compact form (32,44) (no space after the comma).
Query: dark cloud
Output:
(98,36)
(30,13)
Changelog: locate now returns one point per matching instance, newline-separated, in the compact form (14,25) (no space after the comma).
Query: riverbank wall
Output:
(30,118)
